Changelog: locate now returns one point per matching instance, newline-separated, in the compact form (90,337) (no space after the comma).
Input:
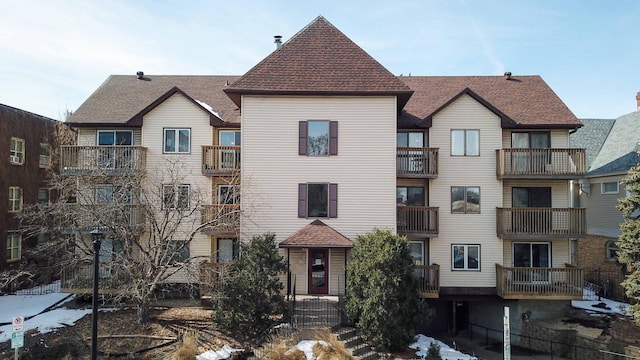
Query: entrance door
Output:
(318,271)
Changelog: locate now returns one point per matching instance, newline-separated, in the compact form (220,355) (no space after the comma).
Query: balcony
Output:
(220,160)
(536,223)
(79,280)
(417,220)
(86,217)
(220,218)
(414,162)
(549,163)
(539,283)
(102,160)
(428,280)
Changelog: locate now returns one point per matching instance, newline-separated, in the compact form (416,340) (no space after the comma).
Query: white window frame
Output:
(465,208)
(466,151)
(170,257)
(176,148)
(604,191)
(610,249)
(15,202)
(465,248)
(16,156)
(45,159)
(231,189)
(176,189)
(13,245)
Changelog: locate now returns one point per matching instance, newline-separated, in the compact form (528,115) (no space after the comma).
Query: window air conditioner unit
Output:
(14,159)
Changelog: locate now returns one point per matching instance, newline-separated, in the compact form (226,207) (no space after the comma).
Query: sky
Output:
(55,53)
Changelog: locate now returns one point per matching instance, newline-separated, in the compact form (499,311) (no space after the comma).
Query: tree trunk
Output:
(143,312)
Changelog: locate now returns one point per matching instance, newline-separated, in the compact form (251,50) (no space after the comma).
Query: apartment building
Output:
(28,141)
(328,144)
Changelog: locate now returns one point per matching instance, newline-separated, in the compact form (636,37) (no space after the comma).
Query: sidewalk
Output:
(478,348)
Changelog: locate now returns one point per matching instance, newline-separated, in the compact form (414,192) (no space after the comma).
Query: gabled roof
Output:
(619,152)
(591,137)
(319,60)
(317,235)
(521,101)
(122,98)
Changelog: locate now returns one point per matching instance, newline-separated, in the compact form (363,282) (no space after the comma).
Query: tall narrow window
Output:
(16,153)
(465,199)
(15,199)
(177,141)
(45,156)
(465,142)
(43,195)
(14,246)
(318,200)
(228,195)
(228,250)
(318,138)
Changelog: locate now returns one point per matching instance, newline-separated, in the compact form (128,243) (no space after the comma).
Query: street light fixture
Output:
(96,236)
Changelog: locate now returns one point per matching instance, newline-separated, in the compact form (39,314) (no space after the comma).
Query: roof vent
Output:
(140,75)
(507,75)
(277,40)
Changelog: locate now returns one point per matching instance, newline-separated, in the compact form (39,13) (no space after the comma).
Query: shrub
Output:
(250,299)
(433,353)
(382,290)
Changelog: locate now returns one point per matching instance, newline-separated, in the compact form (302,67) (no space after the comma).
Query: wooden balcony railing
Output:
(79,280)
(103,160)
(550,163)
(222,218)
(417,162)
(417,220)
(526,223)
(220,160)
(428,280)
(539,283)
(86,217)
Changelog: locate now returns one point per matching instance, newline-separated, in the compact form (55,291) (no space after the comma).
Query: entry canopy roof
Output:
(317,235)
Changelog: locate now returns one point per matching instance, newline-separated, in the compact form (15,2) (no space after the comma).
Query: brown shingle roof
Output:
(319,59)
(121,98)
(317,234)
(523,101)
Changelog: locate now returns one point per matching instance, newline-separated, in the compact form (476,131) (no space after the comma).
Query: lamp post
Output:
(96,236)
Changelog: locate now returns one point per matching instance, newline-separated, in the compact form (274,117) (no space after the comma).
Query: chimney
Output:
(638,100)
(277,40)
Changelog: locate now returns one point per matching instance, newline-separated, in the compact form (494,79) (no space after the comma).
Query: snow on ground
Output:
(446,353)
(600,306)
(223,353)
(29,305)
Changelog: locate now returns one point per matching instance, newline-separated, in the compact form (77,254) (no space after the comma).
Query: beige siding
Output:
(364,168)
(179,112)
(466,113)
(337,267)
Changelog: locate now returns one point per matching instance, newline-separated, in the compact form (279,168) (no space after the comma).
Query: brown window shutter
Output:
(333,200)
(302,200)
(302,138)
(333,138)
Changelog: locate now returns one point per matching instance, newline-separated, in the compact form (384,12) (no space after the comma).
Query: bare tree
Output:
(149,221)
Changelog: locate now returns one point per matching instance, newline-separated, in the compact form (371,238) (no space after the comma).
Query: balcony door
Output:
(318,282)
(108,158)
(530,161)
(538,221)
(412,217)
(229,158)
(408,160)
(532,255)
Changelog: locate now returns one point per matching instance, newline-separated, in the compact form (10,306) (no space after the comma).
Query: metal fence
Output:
(526,345)
(31,288)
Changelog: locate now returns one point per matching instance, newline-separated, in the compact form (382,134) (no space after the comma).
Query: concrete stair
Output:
(353,342)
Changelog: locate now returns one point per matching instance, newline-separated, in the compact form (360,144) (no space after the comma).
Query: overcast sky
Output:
(55,53)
